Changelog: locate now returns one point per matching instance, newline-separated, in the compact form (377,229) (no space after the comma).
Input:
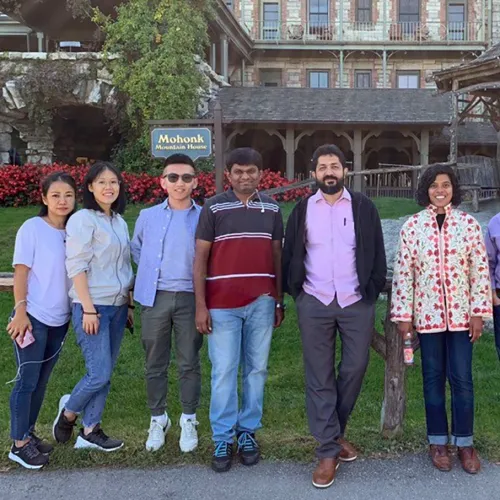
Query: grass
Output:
(285,433)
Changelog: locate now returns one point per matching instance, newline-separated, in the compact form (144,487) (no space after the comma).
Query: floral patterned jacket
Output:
(441,278)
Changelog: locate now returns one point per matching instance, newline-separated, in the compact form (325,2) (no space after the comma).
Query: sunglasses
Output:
(173,178)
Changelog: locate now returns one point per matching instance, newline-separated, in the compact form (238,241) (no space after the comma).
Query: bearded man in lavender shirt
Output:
(334,267)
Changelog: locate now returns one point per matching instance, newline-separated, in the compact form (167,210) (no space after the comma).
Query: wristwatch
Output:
(281,305)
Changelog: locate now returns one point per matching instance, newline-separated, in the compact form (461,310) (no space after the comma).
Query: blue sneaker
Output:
(222,457)
(248,448)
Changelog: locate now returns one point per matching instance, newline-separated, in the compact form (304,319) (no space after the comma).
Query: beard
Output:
(330,189)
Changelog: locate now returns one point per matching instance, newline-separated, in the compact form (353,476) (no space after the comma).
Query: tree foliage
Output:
(157,41)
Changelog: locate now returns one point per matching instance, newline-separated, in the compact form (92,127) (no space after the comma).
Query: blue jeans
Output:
(448,354)
(27,395)
(100,353)
(496,323)
(238,334)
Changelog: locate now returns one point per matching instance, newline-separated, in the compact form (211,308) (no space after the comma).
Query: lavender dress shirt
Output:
(331,251)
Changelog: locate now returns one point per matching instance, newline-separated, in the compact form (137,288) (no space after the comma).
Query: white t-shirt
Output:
(41,247)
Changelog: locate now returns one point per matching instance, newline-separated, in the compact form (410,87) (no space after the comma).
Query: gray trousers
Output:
(171,310)
(330,399)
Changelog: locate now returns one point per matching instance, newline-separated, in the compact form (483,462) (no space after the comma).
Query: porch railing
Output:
(388,32)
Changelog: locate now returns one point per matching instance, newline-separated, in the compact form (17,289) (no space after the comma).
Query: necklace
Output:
(61,232)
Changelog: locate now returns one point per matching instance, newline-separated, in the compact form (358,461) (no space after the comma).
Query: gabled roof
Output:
(469,133)
(342,106)
(485,68)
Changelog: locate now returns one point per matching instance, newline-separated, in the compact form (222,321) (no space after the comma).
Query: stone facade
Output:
(295,70)
(94,90)
(433,29)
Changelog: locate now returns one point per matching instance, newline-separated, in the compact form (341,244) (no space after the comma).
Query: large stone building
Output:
(302,72)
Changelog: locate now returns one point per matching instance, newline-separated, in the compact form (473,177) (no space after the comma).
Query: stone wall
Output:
(94,89)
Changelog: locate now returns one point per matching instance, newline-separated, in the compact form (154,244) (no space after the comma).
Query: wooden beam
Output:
(478,86)
(455,118)
(290,153)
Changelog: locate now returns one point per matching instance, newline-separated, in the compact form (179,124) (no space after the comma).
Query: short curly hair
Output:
(429,176)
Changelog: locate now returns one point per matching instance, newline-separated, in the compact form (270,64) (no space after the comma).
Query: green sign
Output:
(193,142)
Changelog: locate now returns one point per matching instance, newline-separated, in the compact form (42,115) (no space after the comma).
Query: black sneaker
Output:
(43,446)
(28,456)
(62,430)
(222,457)
(97,440)
(248,448)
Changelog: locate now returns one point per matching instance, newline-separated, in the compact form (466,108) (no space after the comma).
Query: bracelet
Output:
(131,306)
(91,313)
(19,303)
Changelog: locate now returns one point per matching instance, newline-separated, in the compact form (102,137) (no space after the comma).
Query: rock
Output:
(94,94)
(5,141)
(14,99)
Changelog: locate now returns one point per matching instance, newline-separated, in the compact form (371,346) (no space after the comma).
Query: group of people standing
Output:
(221,271)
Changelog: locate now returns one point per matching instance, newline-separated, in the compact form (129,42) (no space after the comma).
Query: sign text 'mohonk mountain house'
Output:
(194,142)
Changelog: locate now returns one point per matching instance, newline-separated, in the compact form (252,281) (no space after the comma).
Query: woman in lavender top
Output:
(41,314)
(493,249)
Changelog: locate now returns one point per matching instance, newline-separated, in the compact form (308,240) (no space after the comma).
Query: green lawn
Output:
(285,433)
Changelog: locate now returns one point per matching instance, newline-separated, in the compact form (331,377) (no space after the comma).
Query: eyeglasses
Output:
(173,178)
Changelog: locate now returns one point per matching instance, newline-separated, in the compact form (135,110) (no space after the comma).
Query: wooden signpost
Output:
(194,138)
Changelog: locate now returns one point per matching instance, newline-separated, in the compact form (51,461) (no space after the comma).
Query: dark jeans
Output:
(496,322)
(331,397)
(171,310)
(100,353)
(27,396)
(448,355)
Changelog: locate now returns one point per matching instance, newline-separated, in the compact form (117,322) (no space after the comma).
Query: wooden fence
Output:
(400,181)
(388,345)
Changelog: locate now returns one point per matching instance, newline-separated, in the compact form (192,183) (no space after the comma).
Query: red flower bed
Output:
(20,185)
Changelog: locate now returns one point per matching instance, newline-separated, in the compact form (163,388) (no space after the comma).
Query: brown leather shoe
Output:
(348,453)
(469,459)
(324,475)
(440,457)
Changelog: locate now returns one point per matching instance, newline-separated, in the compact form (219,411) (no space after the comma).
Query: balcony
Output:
(398,33)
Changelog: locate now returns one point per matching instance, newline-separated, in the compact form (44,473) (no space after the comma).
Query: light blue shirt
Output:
(163,249)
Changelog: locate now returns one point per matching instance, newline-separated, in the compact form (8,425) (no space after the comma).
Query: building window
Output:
(270,17)
(408,79)
(363,79)
(364,11)
(409,13)
(270,77)
(456,21)
(318,13)
(230,4)
(318,79)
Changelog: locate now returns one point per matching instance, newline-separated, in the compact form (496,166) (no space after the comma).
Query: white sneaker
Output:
(156,435)
(189,435)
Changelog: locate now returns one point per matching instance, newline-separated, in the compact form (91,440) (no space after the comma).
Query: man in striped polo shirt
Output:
(237,280)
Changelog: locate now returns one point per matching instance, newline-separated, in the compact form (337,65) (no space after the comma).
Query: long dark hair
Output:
(429,176)
(47,182)
(95,171)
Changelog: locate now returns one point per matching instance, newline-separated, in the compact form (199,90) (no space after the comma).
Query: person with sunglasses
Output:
(163,249)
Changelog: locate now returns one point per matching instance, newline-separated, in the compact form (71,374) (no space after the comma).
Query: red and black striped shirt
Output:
(240,265)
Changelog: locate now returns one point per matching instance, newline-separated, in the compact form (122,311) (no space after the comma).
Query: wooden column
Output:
(424,155)
(219,148)
(213,57)
(424,147)
(394,405)
(498,159)
(290,153)
(224,47)
(454,125)
(358,160)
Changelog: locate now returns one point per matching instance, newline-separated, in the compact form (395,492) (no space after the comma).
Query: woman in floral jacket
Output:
(441,288)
